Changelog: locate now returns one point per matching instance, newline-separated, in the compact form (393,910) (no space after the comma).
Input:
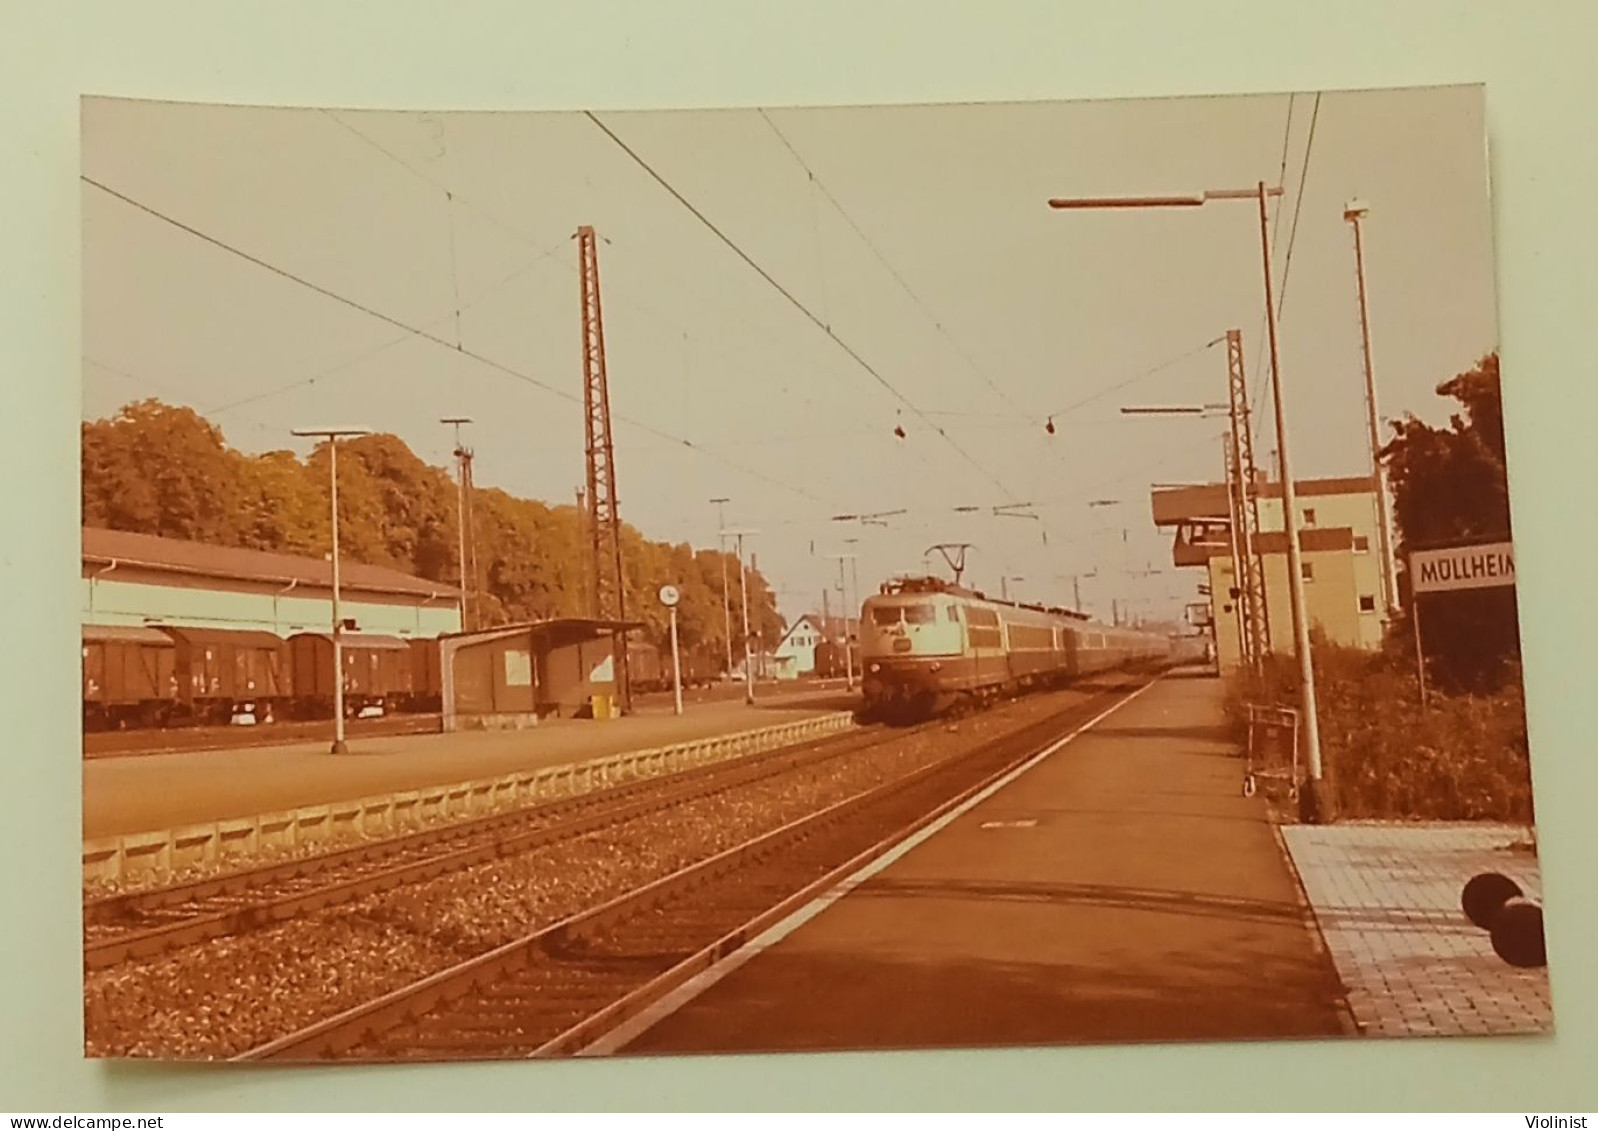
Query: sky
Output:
(784,288)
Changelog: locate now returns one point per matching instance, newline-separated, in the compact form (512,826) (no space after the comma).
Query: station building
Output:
(135,580)
(1338,541)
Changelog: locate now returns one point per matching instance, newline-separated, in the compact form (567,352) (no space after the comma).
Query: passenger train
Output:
(927,645)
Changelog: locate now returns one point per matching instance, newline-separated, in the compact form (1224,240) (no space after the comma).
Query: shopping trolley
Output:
(1272,751)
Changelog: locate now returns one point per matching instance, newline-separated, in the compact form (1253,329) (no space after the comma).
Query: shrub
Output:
(1462,758)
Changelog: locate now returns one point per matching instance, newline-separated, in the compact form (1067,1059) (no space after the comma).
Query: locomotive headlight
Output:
(876,667)
(936,666)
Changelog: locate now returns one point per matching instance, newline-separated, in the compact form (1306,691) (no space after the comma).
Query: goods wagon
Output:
(377,672)
(222,672)
(129,677)
(649,667)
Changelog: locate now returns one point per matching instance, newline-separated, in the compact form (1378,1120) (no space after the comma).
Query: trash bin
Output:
(601,706)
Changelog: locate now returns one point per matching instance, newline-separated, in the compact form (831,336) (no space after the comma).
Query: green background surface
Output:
(1536,63)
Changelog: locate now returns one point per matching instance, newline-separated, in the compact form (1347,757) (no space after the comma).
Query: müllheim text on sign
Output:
(1463,567)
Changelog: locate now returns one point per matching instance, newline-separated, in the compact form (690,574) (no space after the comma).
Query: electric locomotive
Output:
(927,645)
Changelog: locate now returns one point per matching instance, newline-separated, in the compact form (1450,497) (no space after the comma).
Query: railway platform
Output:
(157,791)
(1121,889)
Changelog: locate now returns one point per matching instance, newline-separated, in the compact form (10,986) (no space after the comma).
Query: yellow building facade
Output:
(1338,541)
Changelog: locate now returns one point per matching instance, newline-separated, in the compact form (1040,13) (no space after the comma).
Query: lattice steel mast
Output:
(608,596)
(1250,569)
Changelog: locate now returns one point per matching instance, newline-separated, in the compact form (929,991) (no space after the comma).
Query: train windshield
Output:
(909,614)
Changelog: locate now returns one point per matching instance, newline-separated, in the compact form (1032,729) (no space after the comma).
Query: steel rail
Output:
(366,1024)
(588,812)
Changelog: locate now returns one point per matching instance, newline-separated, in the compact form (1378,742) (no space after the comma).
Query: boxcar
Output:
(426,686)
(831,663)
(377,670)
(129,676)
(645,669)
(222,671)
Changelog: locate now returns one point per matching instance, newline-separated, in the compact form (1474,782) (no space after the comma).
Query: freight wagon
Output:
(163,676)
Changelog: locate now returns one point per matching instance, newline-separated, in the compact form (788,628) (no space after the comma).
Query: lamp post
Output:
(332,436)
(851,610)
(743,586)
(1354,213)
(463,457)
(843,592)
(721,544)
(1260,194)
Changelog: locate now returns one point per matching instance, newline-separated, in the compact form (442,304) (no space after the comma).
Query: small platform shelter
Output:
(511,676)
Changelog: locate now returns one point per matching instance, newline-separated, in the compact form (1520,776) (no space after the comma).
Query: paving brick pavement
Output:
(1386,896)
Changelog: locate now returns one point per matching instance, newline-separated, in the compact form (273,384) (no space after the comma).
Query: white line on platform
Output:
(629,1030)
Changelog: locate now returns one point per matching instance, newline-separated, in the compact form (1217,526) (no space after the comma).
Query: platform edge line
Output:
(1347,1019)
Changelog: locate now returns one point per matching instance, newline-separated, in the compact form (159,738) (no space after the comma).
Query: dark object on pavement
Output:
(1517,933)
(1484,895)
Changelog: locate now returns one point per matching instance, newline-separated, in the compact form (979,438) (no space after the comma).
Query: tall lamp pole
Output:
(743,586)
(843,593)
(462,456)
(726,604)
(851,609)
(1354,213)
(332,436)
(1261,194)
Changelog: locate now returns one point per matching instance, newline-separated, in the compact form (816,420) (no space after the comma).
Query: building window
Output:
(1309,571)
(1362,544)
(1367,604)
(1309,516)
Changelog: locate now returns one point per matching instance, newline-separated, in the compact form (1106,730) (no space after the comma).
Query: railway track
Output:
(148,923)
(557,990)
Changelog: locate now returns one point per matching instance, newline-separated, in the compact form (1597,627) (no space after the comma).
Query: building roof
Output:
(1312,540)
(1209,500)
(1192,549)
(830,628)
(113,548)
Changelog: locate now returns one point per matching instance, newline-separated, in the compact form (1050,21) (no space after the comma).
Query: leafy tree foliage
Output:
(1450,488)
(162,469)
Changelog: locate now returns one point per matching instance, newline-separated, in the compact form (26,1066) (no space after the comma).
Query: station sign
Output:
(1486,566)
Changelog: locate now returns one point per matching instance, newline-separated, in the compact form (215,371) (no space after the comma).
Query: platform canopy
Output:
(556,626)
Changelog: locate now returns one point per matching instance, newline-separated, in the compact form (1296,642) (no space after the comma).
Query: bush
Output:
(1463,758)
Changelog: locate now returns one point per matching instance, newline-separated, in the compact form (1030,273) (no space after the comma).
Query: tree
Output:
(1450,488)
(282,507)
(166,470)
(162,470)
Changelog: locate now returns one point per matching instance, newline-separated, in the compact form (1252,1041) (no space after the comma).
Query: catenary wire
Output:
(491,363)
(794,301)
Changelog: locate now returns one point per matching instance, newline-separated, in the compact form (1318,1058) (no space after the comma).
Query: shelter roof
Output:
(116,548)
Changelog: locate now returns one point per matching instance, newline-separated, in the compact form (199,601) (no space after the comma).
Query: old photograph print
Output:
(649,583)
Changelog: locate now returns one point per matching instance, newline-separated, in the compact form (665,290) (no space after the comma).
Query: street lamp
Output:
(1261,193)
(854,579)
(721,545)
(463,456)
(1354,213)
(332,436)
(743,586)
(843,593)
